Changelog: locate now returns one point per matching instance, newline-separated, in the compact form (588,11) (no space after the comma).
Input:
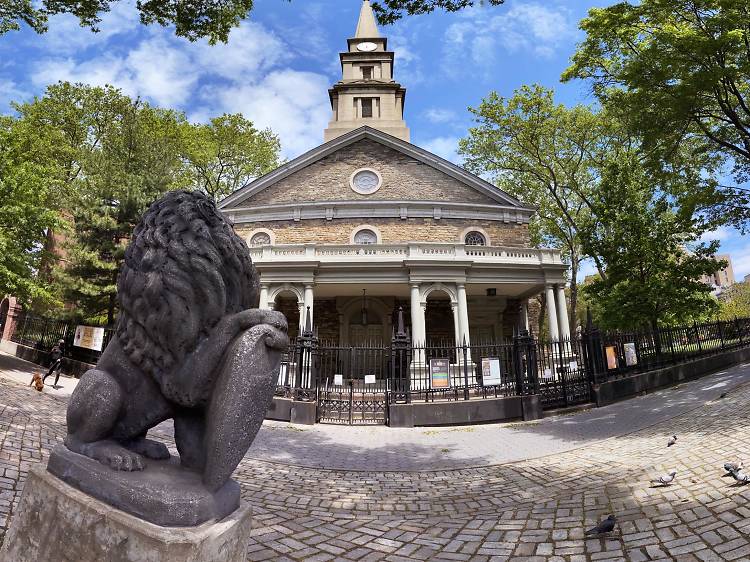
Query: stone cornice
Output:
(331,210)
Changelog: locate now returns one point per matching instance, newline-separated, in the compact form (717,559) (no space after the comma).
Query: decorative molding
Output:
(358,190)
(252,233)
(330,210)
(480,230)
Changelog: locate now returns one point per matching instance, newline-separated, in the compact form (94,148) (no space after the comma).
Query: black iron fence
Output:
(40,334)
(357,384)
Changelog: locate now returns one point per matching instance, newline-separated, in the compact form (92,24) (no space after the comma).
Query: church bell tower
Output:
(367,93)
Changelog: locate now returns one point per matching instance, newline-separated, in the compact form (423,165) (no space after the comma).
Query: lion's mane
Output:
(185,269)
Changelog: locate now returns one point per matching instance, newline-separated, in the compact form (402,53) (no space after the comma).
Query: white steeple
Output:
(366,26)
(367,94)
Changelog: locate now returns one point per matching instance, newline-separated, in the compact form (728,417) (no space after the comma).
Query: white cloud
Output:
(445,147)
(722,234)
(740,261)
(530,28)
(293,104)
(439,115)
(9,91)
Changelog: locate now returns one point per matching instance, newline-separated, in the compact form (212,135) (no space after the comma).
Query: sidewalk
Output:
(21,371)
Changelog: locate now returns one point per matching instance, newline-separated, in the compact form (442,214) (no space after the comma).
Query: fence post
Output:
(465,351)
(593,346)
(698,338)
(739,330)
(307,343)
(720,326)
(401,383)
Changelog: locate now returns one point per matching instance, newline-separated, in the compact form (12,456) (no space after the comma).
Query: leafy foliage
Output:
(646,241)
(674,70)
(390,11)
(227,154)
(735,302)
(113,156)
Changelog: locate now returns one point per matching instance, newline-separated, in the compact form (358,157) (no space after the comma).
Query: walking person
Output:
(56,357)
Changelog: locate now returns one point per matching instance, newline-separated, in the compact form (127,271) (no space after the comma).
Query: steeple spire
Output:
(367,94)
(366,26)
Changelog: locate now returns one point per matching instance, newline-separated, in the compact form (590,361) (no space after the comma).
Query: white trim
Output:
(447,289)
(355,189)
(316,154)
(249,237)
(274,293)
(397,209)
(483,232)
(375,229)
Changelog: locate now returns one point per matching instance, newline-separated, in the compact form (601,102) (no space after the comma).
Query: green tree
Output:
(28,203)
(646,241)
(192,20)
(227,154)
(735,302)
(546,155)
(674,70)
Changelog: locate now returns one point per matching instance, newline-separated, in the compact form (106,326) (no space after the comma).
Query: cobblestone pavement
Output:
(526,510)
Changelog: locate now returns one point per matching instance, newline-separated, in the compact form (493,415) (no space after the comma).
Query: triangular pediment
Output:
(422,176)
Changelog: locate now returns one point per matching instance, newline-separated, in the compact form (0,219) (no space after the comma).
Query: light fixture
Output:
(364,307)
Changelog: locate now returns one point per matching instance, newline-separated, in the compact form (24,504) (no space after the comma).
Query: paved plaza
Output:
(491,492)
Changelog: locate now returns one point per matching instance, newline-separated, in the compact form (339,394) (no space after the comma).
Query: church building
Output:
(367,223)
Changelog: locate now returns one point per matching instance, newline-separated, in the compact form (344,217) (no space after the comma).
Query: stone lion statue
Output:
(189,345)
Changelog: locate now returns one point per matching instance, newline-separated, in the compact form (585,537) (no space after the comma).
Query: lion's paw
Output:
(150,449)
(118,457)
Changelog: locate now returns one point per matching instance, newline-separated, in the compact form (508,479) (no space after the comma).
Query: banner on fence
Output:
(439,377)
(631,358)
(611,357)
(89,337)
(491,373)
(369,379)
(338,380)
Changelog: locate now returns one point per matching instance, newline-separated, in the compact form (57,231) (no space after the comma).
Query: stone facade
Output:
(404,179)
(339,231)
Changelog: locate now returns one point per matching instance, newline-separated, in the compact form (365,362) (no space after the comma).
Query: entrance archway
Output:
(440,327)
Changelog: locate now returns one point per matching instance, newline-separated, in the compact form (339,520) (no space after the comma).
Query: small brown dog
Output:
(37,382)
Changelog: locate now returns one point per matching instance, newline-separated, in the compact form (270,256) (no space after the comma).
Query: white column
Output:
(562,313)
(463,313)
(308,302)
(552,314)
(263,303)
(456,323)
(417,317)
(525,316)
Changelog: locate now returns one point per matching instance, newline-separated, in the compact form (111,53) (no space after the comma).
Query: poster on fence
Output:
(338,380)
(631,358)
(439,377)
(370,379)
(611,352)
(89,337)
(491,373)
(547,374)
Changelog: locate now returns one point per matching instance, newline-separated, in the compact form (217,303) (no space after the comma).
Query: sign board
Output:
(439,373)
(631,357)
(338,380)
(491,373)
(573,365)
(89,337)
(611,352)
(369,379)
(547,373)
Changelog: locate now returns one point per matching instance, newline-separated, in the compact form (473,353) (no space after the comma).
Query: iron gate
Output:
(353,385)
(562,376)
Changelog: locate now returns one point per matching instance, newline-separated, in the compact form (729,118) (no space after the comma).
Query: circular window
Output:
(365,181)
(365,236)
(260,239)
(475,238)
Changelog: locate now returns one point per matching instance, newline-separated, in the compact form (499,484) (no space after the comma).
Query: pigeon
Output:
(665,479)
(732,467)
(741,477)
(672,441)
(605,526)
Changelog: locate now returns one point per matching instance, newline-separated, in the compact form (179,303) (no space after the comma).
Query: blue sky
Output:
(278,65)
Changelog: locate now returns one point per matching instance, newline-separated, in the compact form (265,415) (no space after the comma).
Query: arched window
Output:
(475,238)
(365,236)
(260,239)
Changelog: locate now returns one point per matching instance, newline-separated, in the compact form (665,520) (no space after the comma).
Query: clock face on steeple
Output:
(366,46)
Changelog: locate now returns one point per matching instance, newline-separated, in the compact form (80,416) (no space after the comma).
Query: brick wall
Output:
(338,231)
(403,179)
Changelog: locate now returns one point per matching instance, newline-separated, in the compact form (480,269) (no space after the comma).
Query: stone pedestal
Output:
(55,522)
